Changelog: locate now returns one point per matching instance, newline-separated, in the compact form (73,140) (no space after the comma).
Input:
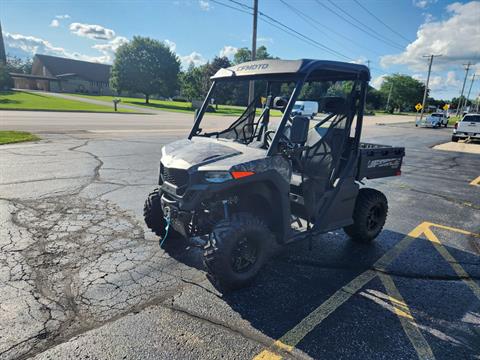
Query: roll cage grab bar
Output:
(293,97)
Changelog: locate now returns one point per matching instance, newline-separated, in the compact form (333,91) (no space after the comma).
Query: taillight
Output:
(456,125)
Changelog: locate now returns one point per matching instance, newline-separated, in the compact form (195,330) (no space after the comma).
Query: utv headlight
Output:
(217,176)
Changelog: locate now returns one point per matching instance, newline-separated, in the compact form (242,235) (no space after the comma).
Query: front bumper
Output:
(466,135)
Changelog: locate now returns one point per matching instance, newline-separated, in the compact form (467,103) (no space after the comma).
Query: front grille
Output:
(177,177)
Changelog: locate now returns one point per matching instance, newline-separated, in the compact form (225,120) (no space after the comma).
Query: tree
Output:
(242,55)
(192,83)
(18,65)
(145,66)
(245,54)
(406,91)
(375,99)
(6,81)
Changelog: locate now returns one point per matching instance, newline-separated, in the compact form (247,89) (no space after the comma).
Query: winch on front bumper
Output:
(179,220)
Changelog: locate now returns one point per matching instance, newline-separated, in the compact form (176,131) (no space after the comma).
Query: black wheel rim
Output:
(244,255)
(374,217)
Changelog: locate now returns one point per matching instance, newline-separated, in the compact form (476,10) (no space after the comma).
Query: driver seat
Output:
(318,163)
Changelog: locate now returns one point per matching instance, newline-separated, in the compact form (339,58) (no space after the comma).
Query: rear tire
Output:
(369,216)
(237,250)
(454,139)
(154,218)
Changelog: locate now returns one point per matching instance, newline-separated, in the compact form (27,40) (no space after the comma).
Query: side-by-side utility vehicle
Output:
(265,181)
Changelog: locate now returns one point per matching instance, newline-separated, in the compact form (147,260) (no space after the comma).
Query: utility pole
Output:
(389,95)
(368,64)
(470,89)
(251,84)
(467,69)
(426,85)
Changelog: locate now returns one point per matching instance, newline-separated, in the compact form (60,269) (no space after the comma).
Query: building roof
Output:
(30,76)
(87,70)
(295,69)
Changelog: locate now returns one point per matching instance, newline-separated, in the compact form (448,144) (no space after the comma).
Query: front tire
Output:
(369,216)
(237,250)
(155,221)
(454,139)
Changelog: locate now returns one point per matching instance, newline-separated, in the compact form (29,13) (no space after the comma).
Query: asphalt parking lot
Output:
(81,276)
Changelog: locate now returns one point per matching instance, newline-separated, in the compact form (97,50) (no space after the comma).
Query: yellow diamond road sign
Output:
(418,107)
(446,107)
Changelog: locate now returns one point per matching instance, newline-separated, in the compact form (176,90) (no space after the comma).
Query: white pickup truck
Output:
(468,127)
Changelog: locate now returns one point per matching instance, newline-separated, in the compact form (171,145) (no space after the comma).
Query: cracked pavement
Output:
(81,277)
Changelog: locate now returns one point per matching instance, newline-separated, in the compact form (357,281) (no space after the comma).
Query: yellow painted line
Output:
(453,263)
(460,231)
(475,182)
(291,338)
(406,319)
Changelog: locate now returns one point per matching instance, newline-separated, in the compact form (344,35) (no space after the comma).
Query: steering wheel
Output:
(268,138)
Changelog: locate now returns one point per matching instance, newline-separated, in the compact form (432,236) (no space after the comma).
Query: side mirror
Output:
(299,129)
(279,103)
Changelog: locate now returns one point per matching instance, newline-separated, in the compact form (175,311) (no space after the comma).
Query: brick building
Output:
(57,74)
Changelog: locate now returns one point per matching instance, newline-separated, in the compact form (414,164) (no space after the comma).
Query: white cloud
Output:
(422,4)
(171,45)
(27,46)
(378,81)
(204,5)
(457,39)
(361,60)
(55,23)
(195,58)
(228,51)
(443,83)
(265,40)
(452,80)
(108,49)
(61,17)
(91,31)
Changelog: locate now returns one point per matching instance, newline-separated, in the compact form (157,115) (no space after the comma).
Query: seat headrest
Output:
(333,104)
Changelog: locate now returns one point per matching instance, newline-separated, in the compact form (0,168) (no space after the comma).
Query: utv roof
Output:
(294,70)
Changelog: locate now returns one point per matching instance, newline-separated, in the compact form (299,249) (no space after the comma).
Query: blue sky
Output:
(200,29)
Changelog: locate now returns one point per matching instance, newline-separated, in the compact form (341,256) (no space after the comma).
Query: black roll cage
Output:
(316,71)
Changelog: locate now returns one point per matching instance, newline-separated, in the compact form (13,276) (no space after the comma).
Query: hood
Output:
(198,151)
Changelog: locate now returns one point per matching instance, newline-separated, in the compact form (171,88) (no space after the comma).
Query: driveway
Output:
(81,276)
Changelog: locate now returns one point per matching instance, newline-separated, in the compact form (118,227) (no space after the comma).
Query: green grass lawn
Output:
(9,137)
(176,106)
(453,119)
(383,112)
(23,100)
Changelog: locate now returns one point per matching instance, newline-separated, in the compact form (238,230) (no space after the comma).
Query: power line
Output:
(381,21)
(373,31)
(358,27)
(231,7)
(286,29)
(317,25)
(271,19)
(268,22)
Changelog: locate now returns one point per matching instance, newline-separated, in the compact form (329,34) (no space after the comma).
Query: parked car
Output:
(468,127)
(305,108)
(434,120)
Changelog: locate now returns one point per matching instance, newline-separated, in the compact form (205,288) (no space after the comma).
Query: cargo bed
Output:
(377,161)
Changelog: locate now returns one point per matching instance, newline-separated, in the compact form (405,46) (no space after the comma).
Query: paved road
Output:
(81,277)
